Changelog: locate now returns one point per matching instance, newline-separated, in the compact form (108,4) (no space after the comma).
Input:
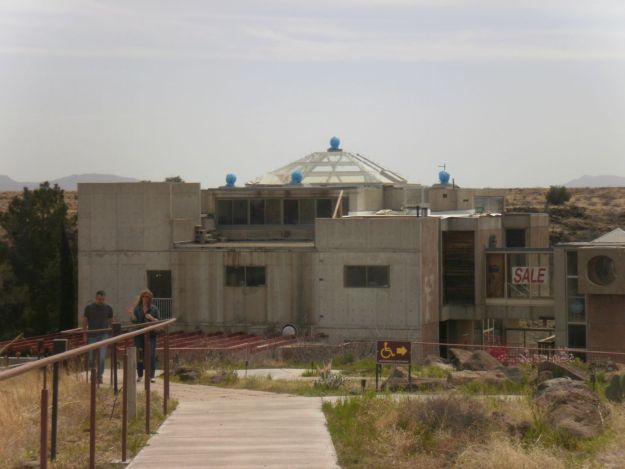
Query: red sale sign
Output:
(530,275)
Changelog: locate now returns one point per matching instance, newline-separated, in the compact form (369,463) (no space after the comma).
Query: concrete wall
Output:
(202,298)
(125,229)
(605,316)
(396,311)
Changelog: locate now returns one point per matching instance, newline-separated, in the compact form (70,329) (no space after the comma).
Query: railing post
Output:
(117,329)
(131,383)
(92,414)
(166,372)
(147,376)
(127,379)
(43,443)
(41,348)
(58,346)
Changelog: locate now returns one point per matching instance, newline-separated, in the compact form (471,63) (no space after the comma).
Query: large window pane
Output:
(324,208)
(254,276)
(273,212)
(235,276)
(257,212)
(355,276)
(517,288)
(224,212)
(515,238)
(239,212)
(377,276)
(291,211)
(577,309)
(307,211)
(495,276)
(577,336)
(571,263)
(372,276)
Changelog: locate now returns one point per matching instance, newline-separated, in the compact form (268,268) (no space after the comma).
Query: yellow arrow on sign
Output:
(402,350)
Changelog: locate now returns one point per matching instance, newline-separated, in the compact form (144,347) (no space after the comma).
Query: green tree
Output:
(38,251)
(174,179)
(557,195)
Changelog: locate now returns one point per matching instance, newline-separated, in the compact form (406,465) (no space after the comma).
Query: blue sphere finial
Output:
(334,143)
(230,180)
(296,177)
(443,177)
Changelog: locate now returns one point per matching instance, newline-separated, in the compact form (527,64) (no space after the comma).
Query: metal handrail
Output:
(143,329)
(83,349)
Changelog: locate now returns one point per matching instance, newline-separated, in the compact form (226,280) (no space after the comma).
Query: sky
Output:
(505,93)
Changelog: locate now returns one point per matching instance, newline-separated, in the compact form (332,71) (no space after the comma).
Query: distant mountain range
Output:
(597,181)
(68,183)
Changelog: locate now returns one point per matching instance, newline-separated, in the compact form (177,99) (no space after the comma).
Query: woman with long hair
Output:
(145,311)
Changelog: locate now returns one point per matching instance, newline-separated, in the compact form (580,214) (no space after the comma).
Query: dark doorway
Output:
(159,283)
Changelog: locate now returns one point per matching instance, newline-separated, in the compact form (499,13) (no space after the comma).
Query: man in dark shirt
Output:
(98,315)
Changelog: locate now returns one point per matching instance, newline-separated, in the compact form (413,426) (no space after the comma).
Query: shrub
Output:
(557,195)
(453,414)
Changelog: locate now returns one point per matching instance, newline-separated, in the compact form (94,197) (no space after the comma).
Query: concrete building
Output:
(333,244)
(590,293)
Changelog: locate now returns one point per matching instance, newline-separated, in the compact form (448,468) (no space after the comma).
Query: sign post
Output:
(392,352)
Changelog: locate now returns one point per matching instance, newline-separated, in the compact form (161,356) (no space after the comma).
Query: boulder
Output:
(571,407)
(513,373)
(544,375)
(438,362)
(399,372)
(186,373)
(562,370)
(477,360)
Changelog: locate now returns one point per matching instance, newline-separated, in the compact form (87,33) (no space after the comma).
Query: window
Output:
(324,208)
(601,270)
(248,276)
(307,211)
(273,211)
(458,267)
(239,212)
(488,204)
(257,212)
(232,212)
(576,302)
(224,212)
(291,211)
(577,336)
(515,238)
(366,276)
(254,276)
(276,211)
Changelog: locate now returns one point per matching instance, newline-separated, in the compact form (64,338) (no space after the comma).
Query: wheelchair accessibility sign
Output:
(393,352)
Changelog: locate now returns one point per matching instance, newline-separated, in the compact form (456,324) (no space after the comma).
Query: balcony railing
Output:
(164,306)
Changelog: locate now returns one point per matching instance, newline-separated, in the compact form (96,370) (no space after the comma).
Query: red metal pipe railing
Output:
(144,329)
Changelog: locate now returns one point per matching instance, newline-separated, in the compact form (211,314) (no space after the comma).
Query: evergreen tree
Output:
(36,249)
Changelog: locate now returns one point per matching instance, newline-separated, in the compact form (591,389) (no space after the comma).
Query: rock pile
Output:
(571,407)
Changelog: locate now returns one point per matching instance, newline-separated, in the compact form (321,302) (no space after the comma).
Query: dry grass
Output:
(461,432)
(590,213)
(20,422)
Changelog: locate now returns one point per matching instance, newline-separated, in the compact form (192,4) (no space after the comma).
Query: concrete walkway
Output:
(226,428)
